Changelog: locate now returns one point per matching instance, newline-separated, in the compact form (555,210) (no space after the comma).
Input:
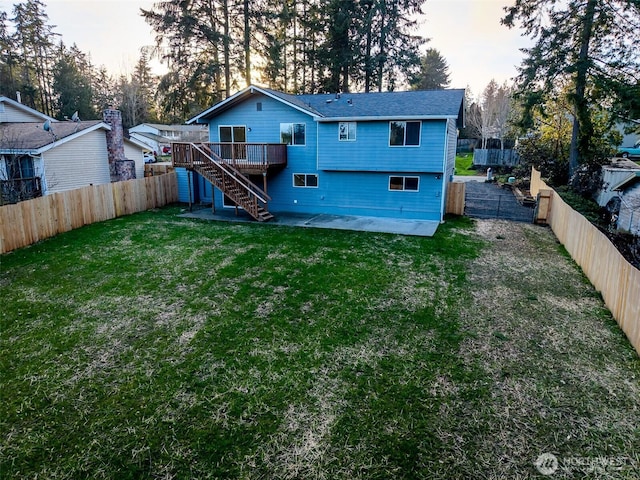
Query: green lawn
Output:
(153,346)
(464,162)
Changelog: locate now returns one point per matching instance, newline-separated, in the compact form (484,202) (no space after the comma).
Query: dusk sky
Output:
(467,33)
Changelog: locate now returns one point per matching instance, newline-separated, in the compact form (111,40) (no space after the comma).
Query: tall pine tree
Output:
(434,72)
(35,48)
(71,86)
(593,43)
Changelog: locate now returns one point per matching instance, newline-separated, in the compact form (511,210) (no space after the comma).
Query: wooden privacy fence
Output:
(27,222)
(616,279)
(495,157)
(455,198)
(151,169)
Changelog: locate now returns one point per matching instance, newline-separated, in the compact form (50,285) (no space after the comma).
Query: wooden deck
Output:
(227,166)
(249,158)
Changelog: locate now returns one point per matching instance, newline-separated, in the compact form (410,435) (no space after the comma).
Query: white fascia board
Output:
(137,143)
(71,137)
(385,118)
(217,106)
(282,100)
(620,185)
(24,108)
(250,90)
(17,151)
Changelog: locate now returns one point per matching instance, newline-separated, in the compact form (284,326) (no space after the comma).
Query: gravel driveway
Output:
(488,200)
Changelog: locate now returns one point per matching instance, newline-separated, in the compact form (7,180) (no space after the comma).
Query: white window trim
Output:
(292,134)
(355,132)
(293,180)
(404,177)
(405,134)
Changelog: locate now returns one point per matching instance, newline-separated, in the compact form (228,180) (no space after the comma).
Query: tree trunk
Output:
(295,46)
(383,39)
(247,43)
(227,49)
(367,53)
(581,121)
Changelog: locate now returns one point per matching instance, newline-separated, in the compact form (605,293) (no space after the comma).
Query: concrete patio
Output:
(421,228)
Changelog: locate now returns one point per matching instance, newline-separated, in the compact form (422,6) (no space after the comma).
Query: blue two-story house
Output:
(368,154)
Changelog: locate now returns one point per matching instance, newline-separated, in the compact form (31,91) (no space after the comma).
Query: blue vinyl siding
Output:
(201,190)
(338,193)
(353,176)
(265,128)
(371,150)
(183,185)
(357,193)
(452,143)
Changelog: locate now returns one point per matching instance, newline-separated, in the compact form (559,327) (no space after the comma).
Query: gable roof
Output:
(26,109)
(416,104)
(632,179)
(150,136)
(30,137)
(137,143)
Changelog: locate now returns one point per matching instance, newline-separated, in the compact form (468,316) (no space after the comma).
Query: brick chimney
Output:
(120,167)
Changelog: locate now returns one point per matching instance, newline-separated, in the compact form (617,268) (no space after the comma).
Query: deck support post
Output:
(264,184)
(189,179)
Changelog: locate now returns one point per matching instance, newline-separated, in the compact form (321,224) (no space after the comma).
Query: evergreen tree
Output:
(34,45)
(136,94)
(8,60)
(306,46)
(104,90)
(593,43)
(434,72)
(72,84)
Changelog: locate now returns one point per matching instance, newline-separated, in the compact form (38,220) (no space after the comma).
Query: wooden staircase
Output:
(231,182)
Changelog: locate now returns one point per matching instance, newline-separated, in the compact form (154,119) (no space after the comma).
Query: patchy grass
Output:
(153,346)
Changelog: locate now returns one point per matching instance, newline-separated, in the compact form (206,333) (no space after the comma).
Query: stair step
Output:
(232,188)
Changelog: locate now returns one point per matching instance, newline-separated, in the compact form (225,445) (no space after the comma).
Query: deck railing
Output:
(243,156)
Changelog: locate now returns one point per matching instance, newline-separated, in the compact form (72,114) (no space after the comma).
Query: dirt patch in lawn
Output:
(559,379)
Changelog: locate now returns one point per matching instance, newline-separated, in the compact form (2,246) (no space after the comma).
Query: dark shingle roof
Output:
(418,103)
(30,136)
(384,105)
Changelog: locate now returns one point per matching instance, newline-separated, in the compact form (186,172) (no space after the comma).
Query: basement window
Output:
(404,184)
(305,180)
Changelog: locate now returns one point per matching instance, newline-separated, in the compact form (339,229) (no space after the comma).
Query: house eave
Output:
(19,151)
(384,118)
(240,96)
(634,177)
(27,109)
(73,136)
(137,143)
(35,151)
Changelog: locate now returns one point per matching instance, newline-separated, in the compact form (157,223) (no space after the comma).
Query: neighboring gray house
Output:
(158,137)
(629,192)
(40,155)
(612,175)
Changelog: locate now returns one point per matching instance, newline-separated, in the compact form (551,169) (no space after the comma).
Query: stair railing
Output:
(230,174)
